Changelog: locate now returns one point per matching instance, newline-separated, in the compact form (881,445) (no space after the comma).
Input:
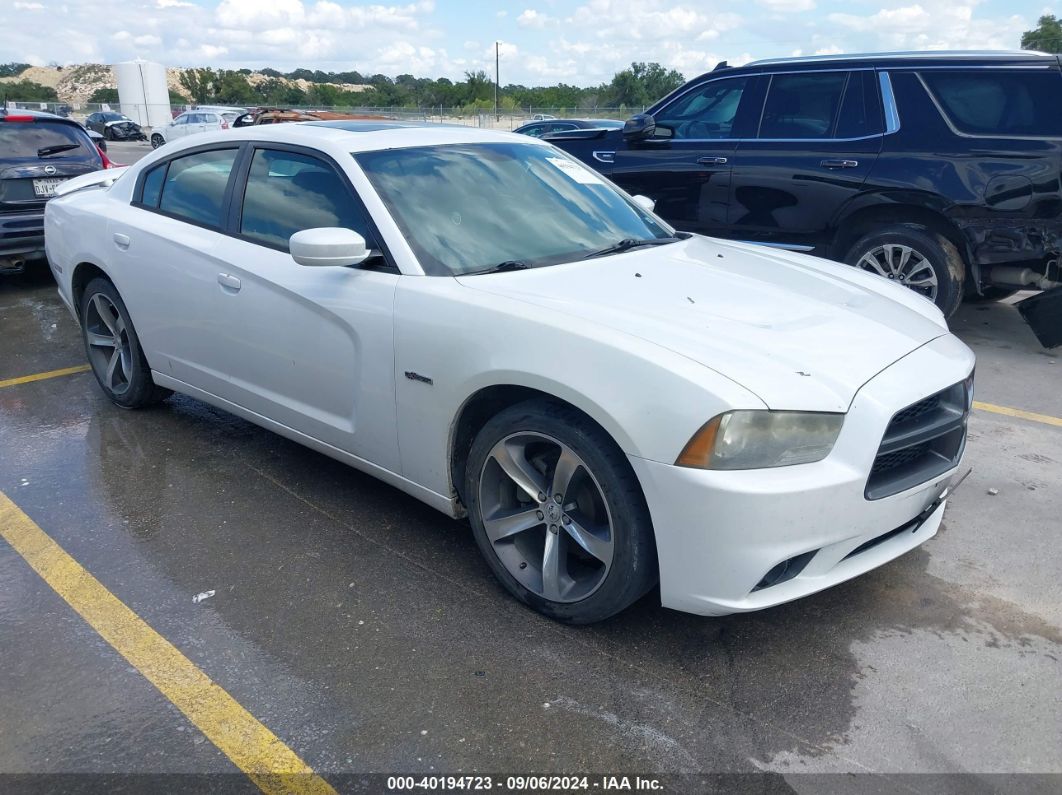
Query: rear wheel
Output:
(113,348)
(915,257)
(558,513)
(157,140)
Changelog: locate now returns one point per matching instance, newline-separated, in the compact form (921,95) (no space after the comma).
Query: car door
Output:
(818,138)
(180,127)
(685,166)
(309,347)
(166,257)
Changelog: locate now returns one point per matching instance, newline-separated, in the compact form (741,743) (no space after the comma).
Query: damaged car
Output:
(115,126)
(937,170)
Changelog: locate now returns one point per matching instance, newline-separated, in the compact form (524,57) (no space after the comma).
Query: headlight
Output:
(760,439)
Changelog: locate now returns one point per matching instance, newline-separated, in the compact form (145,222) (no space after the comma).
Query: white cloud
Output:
(787,6)
(19,6)
(533,19)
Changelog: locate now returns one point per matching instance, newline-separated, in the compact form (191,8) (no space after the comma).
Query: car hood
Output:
(800,332)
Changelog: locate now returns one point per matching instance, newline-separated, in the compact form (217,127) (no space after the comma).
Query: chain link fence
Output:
(507,119)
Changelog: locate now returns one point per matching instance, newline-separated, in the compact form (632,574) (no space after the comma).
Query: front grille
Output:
(922,441)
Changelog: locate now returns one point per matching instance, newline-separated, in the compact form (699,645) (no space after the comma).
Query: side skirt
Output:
(438,501)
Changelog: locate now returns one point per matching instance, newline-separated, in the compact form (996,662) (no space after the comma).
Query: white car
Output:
(192,122)
(482,322)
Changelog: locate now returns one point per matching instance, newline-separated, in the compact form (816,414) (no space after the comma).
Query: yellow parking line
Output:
(1046,419)
(26,379)
(259,753)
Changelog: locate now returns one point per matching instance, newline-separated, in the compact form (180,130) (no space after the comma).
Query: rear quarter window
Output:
(1000,103)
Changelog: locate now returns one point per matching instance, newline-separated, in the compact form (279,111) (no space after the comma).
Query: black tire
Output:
(935,250)
(157,140)
(633,569)
(119,365)
(991,293)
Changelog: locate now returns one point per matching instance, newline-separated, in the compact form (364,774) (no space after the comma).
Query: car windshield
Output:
(28,139)
(112,116)
(470,207)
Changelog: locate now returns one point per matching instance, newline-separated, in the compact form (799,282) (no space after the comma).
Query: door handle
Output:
(122,241)
(839,163)
(712,161)
(229,282)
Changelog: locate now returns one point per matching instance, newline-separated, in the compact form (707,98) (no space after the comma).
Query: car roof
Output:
(892,60)
(364,136)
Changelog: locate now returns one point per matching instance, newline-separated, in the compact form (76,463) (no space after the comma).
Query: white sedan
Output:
(478,320)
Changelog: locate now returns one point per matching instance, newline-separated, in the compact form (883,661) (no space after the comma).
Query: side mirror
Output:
(640,127)
(328,245)
(645,202)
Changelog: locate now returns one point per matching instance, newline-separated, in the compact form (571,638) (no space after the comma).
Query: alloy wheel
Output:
(108,344)
(903,265)
(545,517)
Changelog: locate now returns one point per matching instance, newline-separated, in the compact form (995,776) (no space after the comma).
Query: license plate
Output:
(46,187)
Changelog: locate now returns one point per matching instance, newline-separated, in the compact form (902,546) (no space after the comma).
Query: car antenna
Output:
(721,65)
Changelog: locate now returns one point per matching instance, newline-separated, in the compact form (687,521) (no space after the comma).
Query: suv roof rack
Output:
(867,56)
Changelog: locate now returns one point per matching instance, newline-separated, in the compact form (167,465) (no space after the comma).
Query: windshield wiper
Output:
(631,242)
(501,267)
(54,150)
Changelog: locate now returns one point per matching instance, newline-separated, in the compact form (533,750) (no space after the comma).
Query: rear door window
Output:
(802,105)
(194,187)
(861,113)
(986,102)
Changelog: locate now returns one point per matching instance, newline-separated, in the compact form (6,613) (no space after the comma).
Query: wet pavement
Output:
(363,629)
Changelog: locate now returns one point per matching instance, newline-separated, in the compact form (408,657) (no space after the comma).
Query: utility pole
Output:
(496,116)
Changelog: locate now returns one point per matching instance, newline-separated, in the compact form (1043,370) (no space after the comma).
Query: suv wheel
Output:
(113,349)
(558,513)
(157,140)
(917,258)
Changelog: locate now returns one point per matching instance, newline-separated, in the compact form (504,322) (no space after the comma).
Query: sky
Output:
(580,42)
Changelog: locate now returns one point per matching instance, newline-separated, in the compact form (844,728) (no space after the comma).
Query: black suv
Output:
(37,152)
(940,170)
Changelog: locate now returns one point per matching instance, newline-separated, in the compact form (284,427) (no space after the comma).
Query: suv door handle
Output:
(122,241)
(839,163)
(229,282)
(712,161)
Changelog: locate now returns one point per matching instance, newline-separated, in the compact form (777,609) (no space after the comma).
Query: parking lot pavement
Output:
(125,154)
(363,630)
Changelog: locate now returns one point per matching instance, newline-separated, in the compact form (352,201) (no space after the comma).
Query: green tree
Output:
(1046,36)
(232,88)
(13,69)
(28,91)
(642,84)
(100,95)
(199,83)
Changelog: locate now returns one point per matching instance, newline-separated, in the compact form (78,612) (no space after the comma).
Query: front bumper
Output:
(719,534)
(21,234)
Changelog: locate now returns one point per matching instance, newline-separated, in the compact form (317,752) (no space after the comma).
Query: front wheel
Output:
(558,513)
(113,349)
(915,257)
(157,141)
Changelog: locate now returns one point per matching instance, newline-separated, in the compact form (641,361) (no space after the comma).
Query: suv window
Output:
(194,188)
(288,192)
(802,105)
(1000,103)
(861,113)
(705,112)
(25,139)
